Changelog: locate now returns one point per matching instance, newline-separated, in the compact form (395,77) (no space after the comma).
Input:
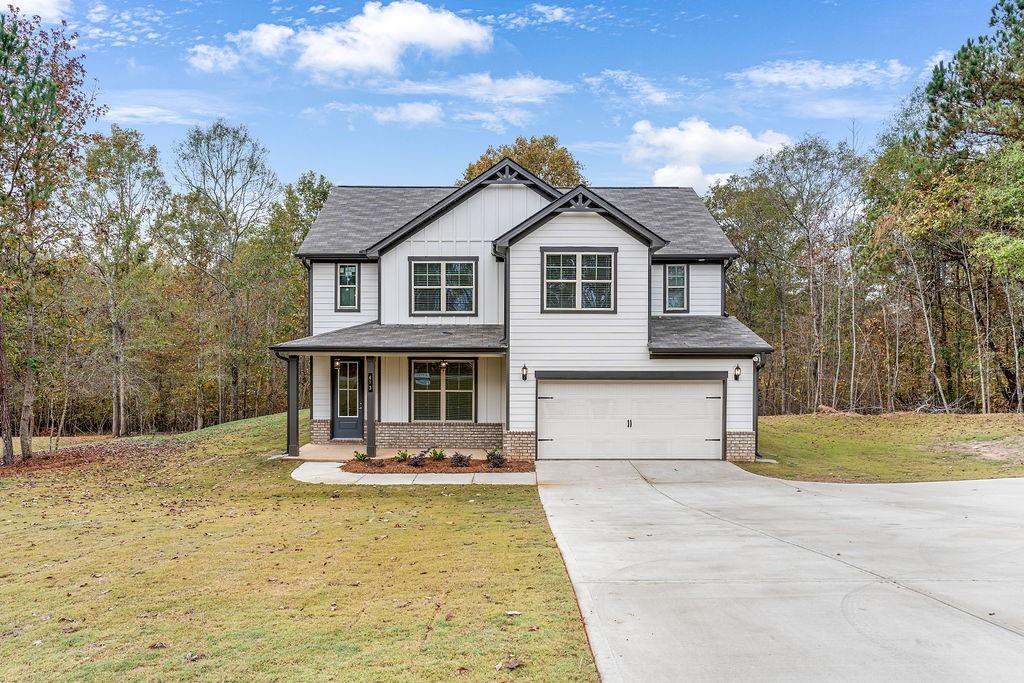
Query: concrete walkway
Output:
(701,571)
(331,473)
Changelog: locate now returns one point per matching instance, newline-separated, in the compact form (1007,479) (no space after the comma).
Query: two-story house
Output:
(554,323)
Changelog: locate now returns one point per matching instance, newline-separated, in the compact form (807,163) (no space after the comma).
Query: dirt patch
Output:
(1009,450)
(442,466)
(828,410)
(91,454)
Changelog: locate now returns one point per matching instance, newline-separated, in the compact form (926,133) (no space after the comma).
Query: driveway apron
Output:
(691,570)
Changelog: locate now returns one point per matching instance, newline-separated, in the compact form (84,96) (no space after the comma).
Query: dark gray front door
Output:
(347,398)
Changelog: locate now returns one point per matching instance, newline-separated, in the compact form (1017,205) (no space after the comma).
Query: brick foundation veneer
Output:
(520,445)
(320,431)
(740,446)
(439,434)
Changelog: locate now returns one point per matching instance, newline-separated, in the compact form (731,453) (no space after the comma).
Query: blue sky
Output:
(409,92)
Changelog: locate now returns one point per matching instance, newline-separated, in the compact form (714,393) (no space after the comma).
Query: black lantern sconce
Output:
(525,373)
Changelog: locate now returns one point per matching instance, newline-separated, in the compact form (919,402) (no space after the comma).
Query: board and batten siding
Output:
(324,280)
(594,341)
(394,386)
(705,289)
(466,230)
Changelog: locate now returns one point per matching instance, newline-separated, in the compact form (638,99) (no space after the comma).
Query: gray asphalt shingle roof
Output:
(373,336)
(355,218)
(695,333)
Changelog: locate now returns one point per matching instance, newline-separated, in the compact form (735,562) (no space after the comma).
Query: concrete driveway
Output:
(701,571)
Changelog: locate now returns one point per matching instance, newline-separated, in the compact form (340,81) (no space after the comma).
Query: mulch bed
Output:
(388,466)
(88,454)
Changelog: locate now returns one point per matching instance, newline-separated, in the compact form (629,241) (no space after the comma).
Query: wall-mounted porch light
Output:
(737,372)
(525,372)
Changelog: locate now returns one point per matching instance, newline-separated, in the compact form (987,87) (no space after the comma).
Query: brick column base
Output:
(520,445)
(320,431)
(739,446)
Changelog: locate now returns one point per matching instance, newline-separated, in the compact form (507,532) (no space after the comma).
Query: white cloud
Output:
(265,39)
(636,87)
(97,13)
(212,59)
(497,121)
(407,113)
(163,105)
(412,113)
(47,10)
(520,89)
(685,149)
(933,61)
(552,13)
(840,108)
(376,39)
(816,75)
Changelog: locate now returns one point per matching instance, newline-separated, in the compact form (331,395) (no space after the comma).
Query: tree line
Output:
(139,293)
(894,279)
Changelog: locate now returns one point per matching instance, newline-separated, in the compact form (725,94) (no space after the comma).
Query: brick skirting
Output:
(520,445)
(439,434)
(740,446)
(320,431)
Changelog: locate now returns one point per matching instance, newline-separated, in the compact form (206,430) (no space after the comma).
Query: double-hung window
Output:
(443,390)
(346,298)
(676,288)
(579,281)
(443,287)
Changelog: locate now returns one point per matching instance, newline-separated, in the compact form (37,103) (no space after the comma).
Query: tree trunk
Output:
(28,397)
(5,390)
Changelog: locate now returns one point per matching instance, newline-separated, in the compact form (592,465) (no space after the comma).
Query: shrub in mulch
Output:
(495,458)
(387,466)
(460,459)
(106,452)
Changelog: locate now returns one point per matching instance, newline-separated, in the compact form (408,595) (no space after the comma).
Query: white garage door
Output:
(629,419)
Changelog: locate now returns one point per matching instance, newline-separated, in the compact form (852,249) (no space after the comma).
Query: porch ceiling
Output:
(373,337)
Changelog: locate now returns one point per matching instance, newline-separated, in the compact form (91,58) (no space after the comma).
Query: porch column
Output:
(371,406)
(293,405)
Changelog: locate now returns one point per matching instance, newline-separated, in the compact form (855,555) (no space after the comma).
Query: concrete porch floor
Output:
(340,452)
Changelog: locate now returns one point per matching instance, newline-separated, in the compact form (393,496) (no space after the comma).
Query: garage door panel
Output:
(590,419)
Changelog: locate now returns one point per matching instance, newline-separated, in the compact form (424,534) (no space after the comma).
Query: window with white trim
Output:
(443,287)
(676,283)
(347,296)
(443,390)
(575,281)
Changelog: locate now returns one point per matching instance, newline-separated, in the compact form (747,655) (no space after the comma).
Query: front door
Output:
(347,398)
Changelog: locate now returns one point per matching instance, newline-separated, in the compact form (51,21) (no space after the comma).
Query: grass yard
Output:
(41,443)
(209,563)
(898,447)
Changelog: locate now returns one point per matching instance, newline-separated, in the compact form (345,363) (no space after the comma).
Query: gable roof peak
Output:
(504,172)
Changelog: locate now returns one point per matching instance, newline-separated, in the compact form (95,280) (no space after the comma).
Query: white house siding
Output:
(705,289)
(321,387)
(465,230)
(593,341)
(393,381)
(325,318)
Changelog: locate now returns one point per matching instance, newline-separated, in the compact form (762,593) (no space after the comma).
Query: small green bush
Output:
(495,458)
(437,454)
(459,459)
(401,456)
(360,456)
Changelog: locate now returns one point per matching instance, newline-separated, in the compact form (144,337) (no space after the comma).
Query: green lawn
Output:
(891,448)
(212,564)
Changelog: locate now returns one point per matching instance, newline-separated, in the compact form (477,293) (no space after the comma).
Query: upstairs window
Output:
(346,298)
(579,281)
(677,280)
(443,287)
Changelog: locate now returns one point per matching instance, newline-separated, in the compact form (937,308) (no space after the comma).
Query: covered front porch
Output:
(383,388)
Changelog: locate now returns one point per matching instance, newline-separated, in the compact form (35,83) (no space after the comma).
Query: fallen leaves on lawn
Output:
(510,664)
